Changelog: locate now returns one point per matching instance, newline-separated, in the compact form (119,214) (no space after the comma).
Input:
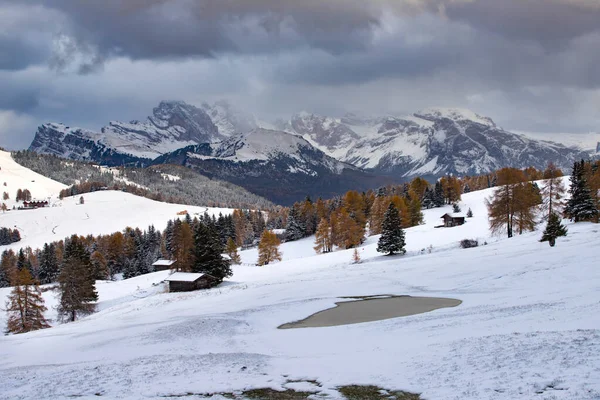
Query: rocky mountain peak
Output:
(456,115)
(194,123)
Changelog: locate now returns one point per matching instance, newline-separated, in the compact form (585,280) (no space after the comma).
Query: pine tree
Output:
(25,306)
(76,281)
(470,213)
(392,238)
(207,253)
(554,229)
(268,248)
(455,208)
(323,242)
(232,252)
(438,195)
(580,206)
(294,229)
(49,267)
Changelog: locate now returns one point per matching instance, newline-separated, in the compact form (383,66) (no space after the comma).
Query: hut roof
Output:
(184,277)
(453,215)
(167,263)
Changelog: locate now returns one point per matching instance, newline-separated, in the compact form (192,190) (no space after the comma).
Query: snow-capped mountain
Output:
(431,142)
(229,119)
(277,165)
(172,126)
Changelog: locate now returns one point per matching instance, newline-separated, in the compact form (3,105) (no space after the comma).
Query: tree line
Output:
(518,204)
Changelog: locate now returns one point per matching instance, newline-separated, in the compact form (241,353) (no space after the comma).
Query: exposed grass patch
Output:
(271,394)
(356,392)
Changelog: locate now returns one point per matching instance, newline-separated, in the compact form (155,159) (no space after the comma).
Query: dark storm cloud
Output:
(205,28)
(553,23)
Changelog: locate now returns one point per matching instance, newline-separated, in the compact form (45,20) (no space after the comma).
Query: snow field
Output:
(528,327)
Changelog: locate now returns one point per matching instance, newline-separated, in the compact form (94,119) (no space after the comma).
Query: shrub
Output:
(468,243)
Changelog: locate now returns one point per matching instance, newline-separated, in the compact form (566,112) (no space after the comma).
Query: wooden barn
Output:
(163,265)
(188,282)
(35,204)
(452,220)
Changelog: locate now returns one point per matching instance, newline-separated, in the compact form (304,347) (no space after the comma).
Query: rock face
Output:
(277,165)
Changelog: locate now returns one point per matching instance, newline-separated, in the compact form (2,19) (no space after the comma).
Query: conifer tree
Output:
(268,248)
(554,229)
(25,306)
(580,206)
(392,238)
(232,252)
(323,243)
(455,208)
(49,267)
(207,251)
(428,199)
(76,281)
(438,195)
(470,213)
(294,229)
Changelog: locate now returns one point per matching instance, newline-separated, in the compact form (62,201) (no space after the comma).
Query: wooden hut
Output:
(452,220)
(188,282)
(163,265)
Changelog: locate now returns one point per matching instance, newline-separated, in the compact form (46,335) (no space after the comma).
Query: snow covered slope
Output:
(102,213)
(528,326)
(14,177)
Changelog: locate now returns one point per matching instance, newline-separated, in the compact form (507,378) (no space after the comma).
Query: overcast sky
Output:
(531,65)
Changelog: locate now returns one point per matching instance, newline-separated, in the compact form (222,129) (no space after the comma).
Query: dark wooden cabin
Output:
(452,220)
(164,265)
(188,282)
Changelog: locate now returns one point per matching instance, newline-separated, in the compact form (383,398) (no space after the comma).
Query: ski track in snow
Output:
(528,327)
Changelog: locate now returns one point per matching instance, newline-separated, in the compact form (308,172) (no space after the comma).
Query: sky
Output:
(531,65)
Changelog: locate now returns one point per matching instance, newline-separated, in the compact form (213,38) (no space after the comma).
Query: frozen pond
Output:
(374,308)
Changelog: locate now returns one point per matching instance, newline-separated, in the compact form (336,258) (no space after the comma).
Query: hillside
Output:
(103,212)
(14,177)
(527,326)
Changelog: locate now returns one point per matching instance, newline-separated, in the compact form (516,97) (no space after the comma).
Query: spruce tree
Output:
(25,306)
(554,229)
(76,281)
(49,267)
(392,238)
(207,253)
(438,195)
(470,213)
(580,206)
(294,229)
